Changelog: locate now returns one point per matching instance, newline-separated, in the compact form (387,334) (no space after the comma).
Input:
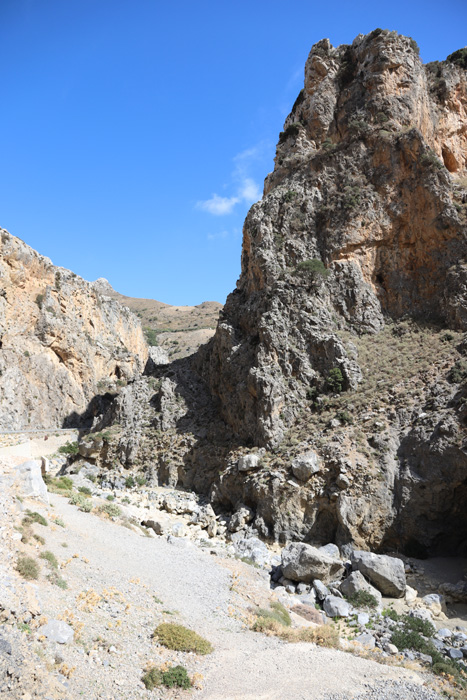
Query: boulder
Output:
(240,518)
(386,573)
(305,466)
(331,549)
(251,548)
(366,640)
(248,462)
(33,486)
(57,631)
(155,525)
(356,583)
(336,607)
(302,562)
(320,589)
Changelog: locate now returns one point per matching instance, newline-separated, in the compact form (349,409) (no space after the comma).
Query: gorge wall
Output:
(62,343)
(331,403)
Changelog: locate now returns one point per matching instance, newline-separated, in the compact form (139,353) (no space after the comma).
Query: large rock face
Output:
(366,182)
(62,343)
(344,339)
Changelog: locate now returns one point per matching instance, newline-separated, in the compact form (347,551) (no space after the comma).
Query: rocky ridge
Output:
(62,343)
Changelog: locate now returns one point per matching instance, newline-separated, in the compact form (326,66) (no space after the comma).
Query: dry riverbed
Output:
(120,585)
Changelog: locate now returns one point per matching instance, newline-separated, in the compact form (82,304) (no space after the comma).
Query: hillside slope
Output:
(180,330)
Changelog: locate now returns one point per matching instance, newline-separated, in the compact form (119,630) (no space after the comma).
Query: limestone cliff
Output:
(338,365)
(368,181)
(62,343)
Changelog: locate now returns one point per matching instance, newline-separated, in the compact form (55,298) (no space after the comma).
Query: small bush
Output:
(57,580)
(292,130)
(141,480)
(176,677)
(36,518)
(180,638)
(27,567)
(40,300)
(130,482)
(151,336)
(314,268)
(389,612)
(50,558)
(362,599)
(71,448)
(110,509)
(335,380)
(83,502)
(59,522)
(38,538)
(85,490)
(110,497)
(276,612)
(152,679)
(459,58)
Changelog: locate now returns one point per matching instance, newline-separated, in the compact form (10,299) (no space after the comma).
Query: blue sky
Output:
(137,133)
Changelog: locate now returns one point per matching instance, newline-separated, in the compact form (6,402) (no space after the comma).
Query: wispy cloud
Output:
(219,206)
(247,190)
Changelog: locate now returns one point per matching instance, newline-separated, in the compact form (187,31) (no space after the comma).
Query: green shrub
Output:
(292,130)
(418,625)
(276,612)
(362,599)
(151,336)
(110,497)
(130,482)
(152,679)
(430,159)
(389,612)
(141,480)
(176,677)
(459,58)
(71,448)
(85,490)
(40,300)
(38,538)
(458,372)
(313,268)
(180,638)
(27,567)
(57,580)
(111,509)
(83,502)
(344,417)
(35,517)
(50,558)
(415,47)
(290,195)
(335,380)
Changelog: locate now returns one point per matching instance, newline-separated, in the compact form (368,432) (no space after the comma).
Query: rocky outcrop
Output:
(330,405)
(364,215)
(62,342)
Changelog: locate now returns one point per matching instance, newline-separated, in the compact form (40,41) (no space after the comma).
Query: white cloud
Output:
(248,191)
(218,206)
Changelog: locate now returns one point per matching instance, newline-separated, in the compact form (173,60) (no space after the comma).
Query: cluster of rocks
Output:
(319,577)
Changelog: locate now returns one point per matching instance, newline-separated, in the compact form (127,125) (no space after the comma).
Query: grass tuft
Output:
(180,638)
(27,567)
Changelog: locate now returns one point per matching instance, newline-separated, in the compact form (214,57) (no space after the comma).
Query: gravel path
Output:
(121,585)
(245,665)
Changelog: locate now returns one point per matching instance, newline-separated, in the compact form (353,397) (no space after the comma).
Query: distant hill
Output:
(178,329)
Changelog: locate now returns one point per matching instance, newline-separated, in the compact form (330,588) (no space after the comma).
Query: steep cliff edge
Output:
(368,182)
(62,343)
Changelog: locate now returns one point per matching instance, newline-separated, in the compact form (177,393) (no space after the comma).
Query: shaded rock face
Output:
(62,343)
(365,181)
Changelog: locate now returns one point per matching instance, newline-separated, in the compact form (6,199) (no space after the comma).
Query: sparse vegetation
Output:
(314,269)
(362,599)
(34,517)
(27,567)
(176,677)
(110,509)
(151,336)
(180,638)
(83,502)
(50,558)
(275,612)
(71,448)
(459,58)
(291,131)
